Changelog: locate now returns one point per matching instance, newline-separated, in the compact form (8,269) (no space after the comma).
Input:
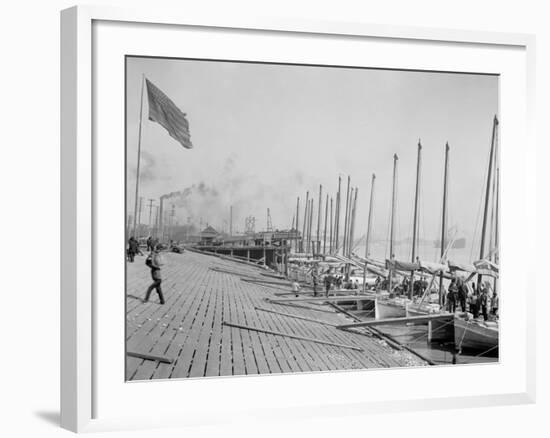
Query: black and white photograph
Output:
(292,218)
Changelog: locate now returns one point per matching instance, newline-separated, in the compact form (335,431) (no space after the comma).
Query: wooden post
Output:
(139,154)
(415,217)
(444,220)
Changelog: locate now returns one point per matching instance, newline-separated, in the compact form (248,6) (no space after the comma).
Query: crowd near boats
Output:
(459,301)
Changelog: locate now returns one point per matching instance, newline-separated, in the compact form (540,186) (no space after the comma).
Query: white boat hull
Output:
(470,335)
(388,309)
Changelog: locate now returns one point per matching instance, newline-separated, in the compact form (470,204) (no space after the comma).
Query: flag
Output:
(163,111)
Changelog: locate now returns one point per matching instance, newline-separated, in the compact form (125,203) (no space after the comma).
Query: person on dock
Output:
(328,283)
(154,261)
(315,280)
(474,304)
(484,302)
(133,249)
(462,294)
(296,288)
(494,304)
(452,296)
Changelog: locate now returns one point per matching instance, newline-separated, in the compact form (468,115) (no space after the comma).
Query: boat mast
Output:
(318,243)
(325,228)
(330,234)
(337,217)
(487,195)
(415,219)
(352,223)
(346,220)
(302,246)
(369,228)
(444,219)
(297,222)
(497,224)
(392,221)
(369,223)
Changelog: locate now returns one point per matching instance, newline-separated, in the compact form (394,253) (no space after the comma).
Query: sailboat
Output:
(471,333)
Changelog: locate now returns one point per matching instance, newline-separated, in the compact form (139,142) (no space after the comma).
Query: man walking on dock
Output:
(155,263)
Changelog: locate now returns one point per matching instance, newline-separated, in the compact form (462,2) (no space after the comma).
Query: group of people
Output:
(132,249)
(478,299)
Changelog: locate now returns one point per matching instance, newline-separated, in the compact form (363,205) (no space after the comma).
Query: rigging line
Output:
(433,331)
(487,351)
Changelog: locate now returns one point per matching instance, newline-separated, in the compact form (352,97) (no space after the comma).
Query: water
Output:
(416,338)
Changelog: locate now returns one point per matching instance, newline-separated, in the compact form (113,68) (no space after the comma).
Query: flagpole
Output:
(138,154)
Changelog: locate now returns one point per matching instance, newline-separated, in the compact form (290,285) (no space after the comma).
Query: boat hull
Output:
(388,309)
(438,331)
(470,335)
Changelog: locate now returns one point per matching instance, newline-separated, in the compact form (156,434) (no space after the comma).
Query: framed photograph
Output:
(253,208)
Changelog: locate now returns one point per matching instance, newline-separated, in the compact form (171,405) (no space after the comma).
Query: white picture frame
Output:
(82,387)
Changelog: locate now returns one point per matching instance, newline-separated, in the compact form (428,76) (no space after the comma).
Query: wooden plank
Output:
(214,349)
(226,359)
(321,299)
(149,357)
(247,313)
(164,333)
(198,367)
(288,335)
(297,317)
(193,328)
(182,325)
(387,321)
(278,363)
(285,350)
(299,306)
(237,353)
(320,360)
(248,351)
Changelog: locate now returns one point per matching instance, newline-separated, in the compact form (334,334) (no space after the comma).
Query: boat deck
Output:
(203,292)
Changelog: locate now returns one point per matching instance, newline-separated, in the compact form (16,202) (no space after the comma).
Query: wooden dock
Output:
(199,331)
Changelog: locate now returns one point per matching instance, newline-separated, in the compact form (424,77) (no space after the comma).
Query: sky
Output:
(265,134)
